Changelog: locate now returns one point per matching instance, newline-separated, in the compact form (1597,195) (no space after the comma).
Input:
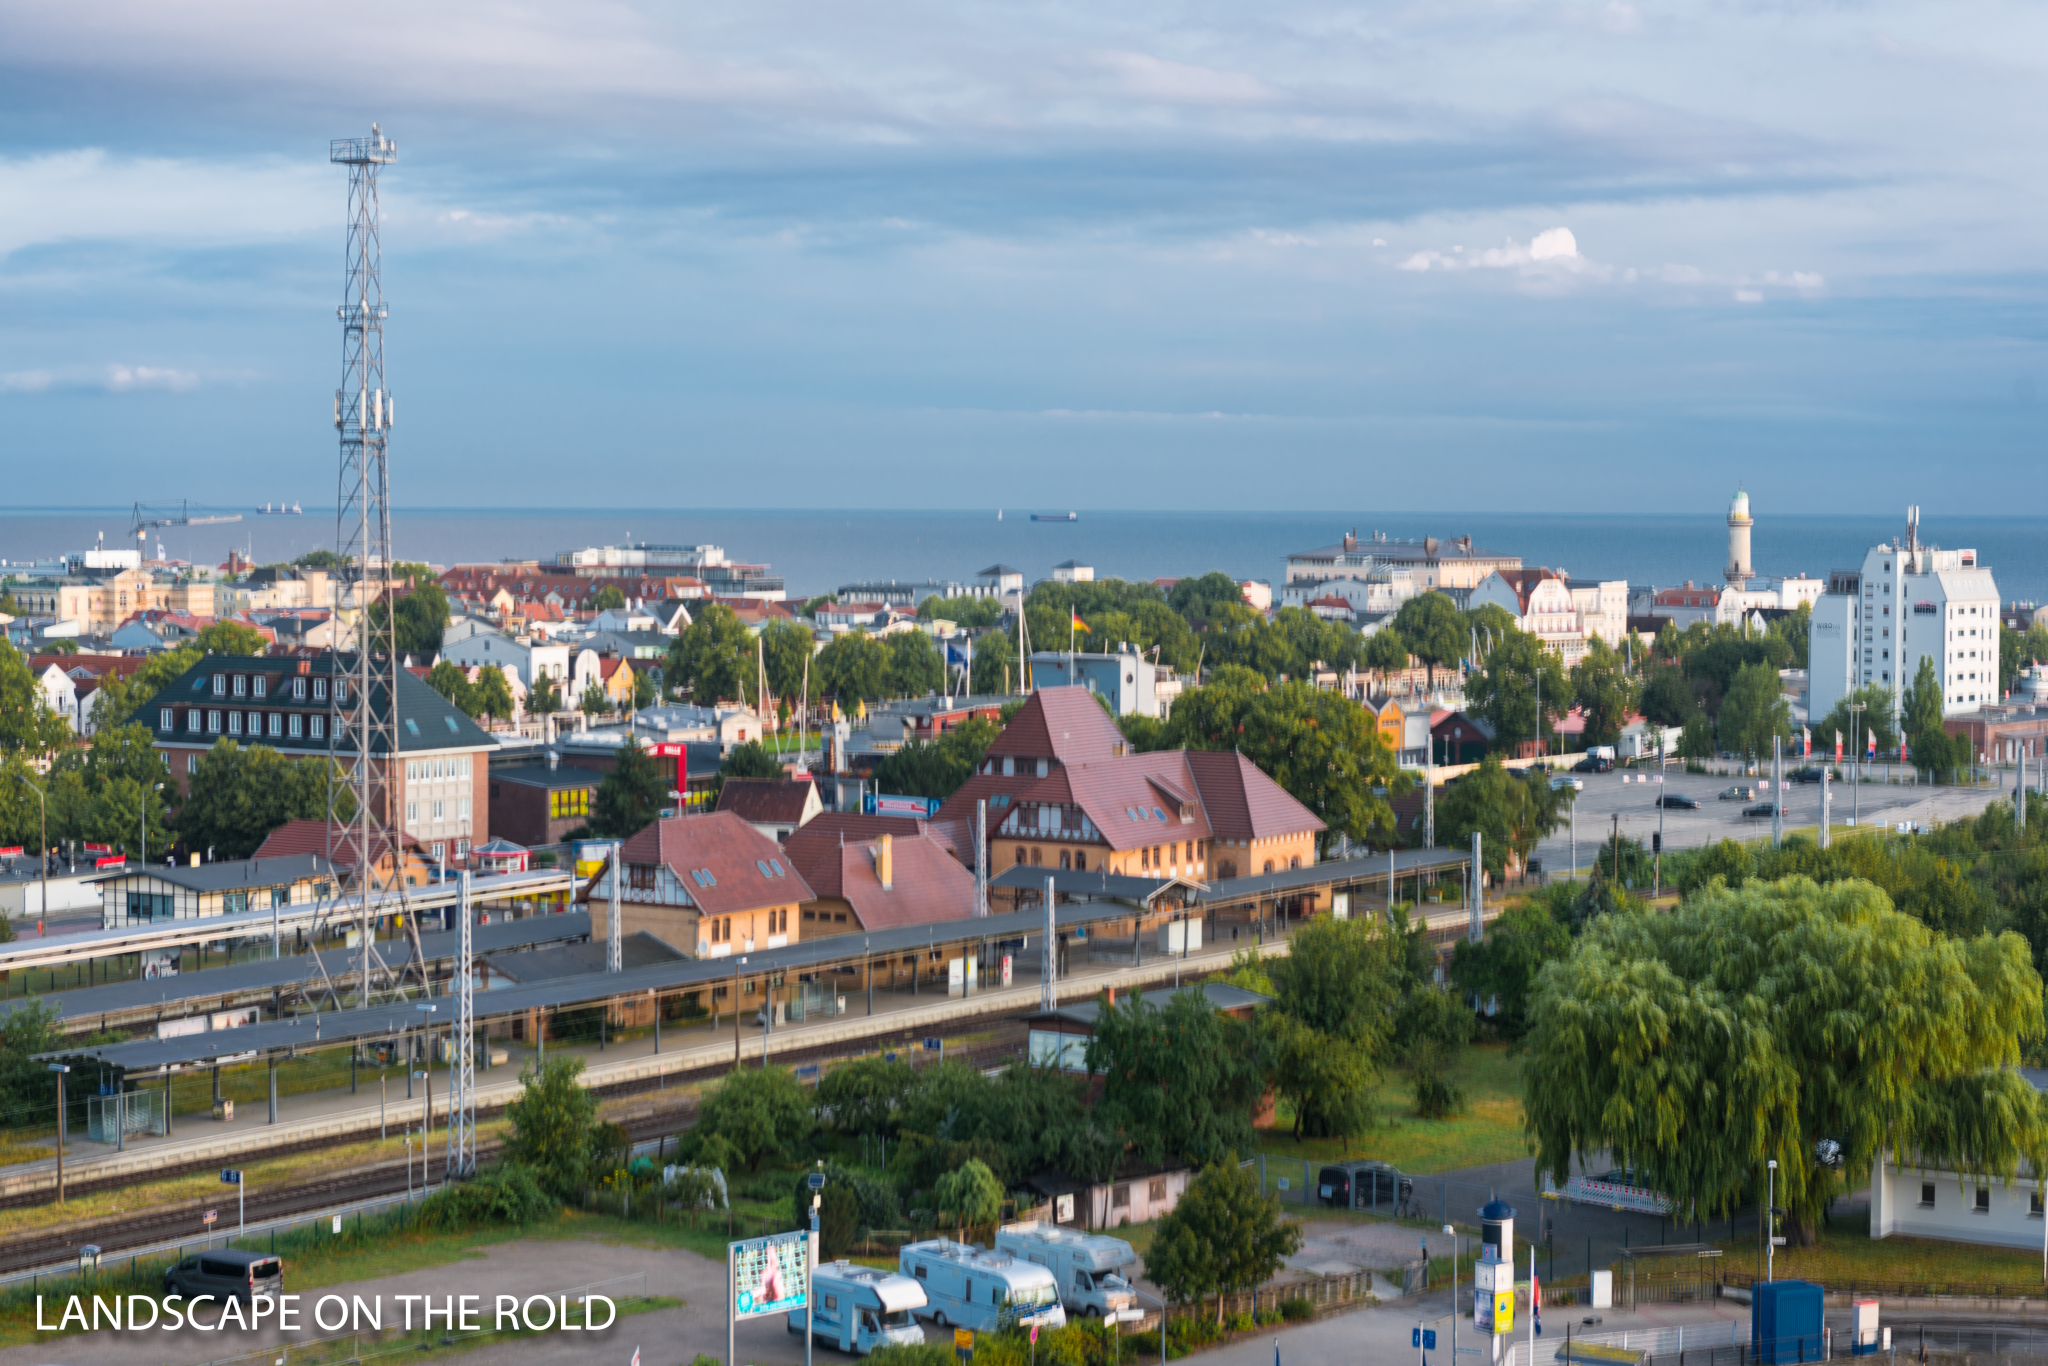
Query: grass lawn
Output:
(1489,1129)
(1847,1253)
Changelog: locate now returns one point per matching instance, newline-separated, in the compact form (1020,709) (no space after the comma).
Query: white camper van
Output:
(860,1308)
(966,1287)
(1088,1267)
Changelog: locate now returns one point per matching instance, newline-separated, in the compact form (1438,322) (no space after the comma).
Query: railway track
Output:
(116,1233)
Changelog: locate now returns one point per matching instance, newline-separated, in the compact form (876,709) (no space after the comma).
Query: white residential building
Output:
(1562,613)
(1375,592)
(522,659)
(1908,602)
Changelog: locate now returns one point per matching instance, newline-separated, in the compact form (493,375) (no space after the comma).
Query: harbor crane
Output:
(148,517)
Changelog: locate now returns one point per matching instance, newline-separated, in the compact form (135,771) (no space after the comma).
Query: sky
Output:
(1501,255)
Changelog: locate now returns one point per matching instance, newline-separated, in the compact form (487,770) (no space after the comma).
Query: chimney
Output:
(885,862)
(1112,995)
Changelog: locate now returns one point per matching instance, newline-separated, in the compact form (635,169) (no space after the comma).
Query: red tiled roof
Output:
(311,837)
(731,851)
(1242,802)
(1142,799)
(1066,724)
(772,800)
(927,885)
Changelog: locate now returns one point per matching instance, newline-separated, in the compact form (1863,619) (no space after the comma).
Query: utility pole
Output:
(62,1071)
(1827,797)
(1048,995)
(981,857)
(1777,792)
(1855,710)
(614,942)
(1478,896)
(43,836)
(1429,797)
(462,1104)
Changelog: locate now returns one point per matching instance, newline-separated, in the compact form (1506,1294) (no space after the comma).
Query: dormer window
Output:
(241,685)
(298,690)
(220,685)
(319,690)
(259,685)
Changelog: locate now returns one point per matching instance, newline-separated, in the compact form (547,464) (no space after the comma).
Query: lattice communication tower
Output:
(365,736)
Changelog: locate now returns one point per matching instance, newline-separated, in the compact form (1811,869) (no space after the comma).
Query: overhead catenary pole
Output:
(461,1161)
(1048,993)
(1478,896)
(614,943)
(1777,791)
(981,856)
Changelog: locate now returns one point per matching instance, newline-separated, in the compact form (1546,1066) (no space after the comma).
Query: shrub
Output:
(504,1194)
(912,1354)
(1240,1323)
(1297,1310)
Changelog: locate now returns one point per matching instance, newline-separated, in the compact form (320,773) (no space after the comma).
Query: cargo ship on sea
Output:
(1055,516)
(281,510)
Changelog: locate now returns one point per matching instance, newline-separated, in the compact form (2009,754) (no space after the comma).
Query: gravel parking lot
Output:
(1607,795)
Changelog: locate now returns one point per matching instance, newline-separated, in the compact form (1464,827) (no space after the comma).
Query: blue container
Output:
(1785,1322)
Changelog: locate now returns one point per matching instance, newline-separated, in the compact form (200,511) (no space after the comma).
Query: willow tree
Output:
(1764,1021)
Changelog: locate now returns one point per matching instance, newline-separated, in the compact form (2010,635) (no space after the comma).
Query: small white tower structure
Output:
(1739,522)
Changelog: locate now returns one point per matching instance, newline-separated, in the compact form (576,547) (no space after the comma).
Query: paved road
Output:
(1606,795)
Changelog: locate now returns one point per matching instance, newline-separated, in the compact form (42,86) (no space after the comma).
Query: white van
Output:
(860,1308)
(1088,1267)
(966,1287)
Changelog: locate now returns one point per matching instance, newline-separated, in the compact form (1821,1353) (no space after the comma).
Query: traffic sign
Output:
(934,1045)
(210,1217)
(963,1339)
(229,1176)
(1425,1338)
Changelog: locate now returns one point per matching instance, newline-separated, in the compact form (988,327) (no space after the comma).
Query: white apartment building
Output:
(1908,602)
(1562,613)
(1369,592)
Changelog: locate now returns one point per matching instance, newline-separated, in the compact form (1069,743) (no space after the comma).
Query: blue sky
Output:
(1499,254)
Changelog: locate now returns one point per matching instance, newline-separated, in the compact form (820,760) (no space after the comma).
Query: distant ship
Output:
(1055,516)
(281,510)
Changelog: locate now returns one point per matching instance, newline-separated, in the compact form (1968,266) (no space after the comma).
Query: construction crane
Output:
(145,522)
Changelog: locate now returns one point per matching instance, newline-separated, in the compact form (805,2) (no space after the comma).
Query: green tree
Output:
(969,614)
(1504,966)
(1667,698)
(238,796)
(1696,741)
(27,722)
(915,665)
(322,558)
(1329,755)
(1202,599)
(1510,810)
(758,1111)
(492,693)
(630,796)
(995,664)
(1179,1080)
(1222,1237)
(544,698)
(969,1195)
(1604,691)
(1931,748)
(786,649)
(1434,630)
(1874,719)
(595,701)
(451,680)
(419,618)
(1754,711)
(936,768)
(2016,650)
(230,638)
(751,760)
(552,1118)
(1795,629)
(1519,670)
(866,1096)
(1332,1021)
(1212,716)
(713,659)
(607,599)
(1753,1022)
(1385,650)
(854,667)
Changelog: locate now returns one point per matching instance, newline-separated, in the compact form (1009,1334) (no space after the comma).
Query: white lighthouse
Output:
(1739,522)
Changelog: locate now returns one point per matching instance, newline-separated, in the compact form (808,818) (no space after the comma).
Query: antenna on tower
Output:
(363,738)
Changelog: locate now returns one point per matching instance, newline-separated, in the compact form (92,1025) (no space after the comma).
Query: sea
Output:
(817,550)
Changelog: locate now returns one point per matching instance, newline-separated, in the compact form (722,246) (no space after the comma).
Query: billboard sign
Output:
(770,1275)
(888,804)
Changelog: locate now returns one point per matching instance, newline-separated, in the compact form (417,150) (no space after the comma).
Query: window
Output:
(462,848)
(319,690)
(1020,856)
(1983,1205)
(1926,1195)
(191,763)
(440,811)
(1120,1198)
(241,685)
(412,726)
(571,801)
(640,876)
(277,723)
(220,685)
(1066,860)
(465,765)
(213,723)
(2033,1204)
(440,850)
(259,685)
(232,903)
(341,690)
(298,689)
(298,725)
(166,719)
(1156,1191)
(193,721)
(462,809)
(234,723)
(1035,859)
(412,813)
(315,725)
(1269,866)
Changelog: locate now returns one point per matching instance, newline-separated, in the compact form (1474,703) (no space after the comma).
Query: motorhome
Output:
(967,1287)
(860,1308)
(1088,1267)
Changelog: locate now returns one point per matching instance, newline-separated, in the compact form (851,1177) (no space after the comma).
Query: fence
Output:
(1729,1344)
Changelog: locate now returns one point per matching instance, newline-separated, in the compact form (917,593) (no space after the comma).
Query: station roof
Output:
(171,994)
(1090,885)
(1360,868)
(326,1029)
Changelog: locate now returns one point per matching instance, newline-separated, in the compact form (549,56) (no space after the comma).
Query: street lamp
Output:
(61,1070)
(1771,1219)
(43,837)
(1454,1290)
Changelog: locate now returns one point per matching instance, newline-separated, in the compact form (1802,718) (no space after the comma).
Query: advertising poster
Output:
(768,1275)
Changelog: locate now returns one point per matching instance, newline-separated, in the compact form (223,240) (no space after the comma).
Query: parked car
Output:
(1738,794)
(1809,774)
(1363,1185)
(1593,763)
(1765,809)
(1673,801)
(226,1274)
(1561,782)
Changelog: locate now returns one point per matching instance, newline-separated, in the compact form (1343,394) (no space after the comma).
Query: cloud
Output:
(1152,78)
(91,194)
(123,378)
(1553,249)
(1749,296)
(112,379)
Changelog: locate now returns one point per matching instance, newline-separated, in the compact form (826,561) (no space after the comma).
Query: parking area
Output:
(1623,794)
